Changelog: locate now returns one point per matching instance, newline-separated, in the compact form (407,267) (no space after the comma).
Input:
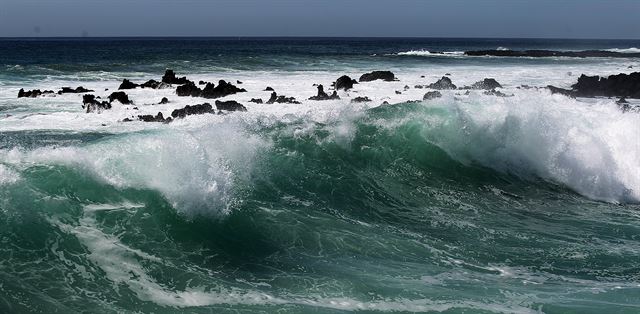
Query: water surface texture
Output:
(469,203)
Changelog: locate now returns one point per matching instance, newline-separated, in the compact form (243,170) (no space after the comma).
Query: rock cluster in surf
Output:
(620,85)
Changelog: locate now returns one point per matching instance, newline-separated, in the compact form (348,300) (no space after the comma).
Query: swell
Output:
(411,190)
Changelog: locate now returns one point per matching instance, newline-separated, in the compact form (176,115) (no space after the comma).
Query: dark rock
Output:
(447,74)
(126,84)
(398,92)
(625,107)
(154,84)
(77,90)
(406,87)
(202,83)
(552,53)
(150,118)
(419,87)
(256,100)
(562,91)
(230,105)
(164,101)
(122,97)
(268,89)
(622,100)
(432,95)
(169,77)
(238,82)
(191,110)
(223,89)
(360,99)
(33,93)
(281,99)
(90,103)
(494,92)
(188,89)
(323,96)
(422,76)
(377,75)
(443,83)
(620,85)
(344,82)
(487,83)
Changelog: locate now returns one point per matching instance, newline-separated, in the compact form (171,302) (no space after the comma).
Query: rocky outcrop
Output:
(191,110)
(324,96)
(188,89)
(122,97)
(169,77)
(432,95)
(281,99)
(210,90)
(487,83)
(620,85)
(344,82)
(562,91)
(360,99)
(256,100)
(268,89)
(77,90)
(164,101)
(223,89)
(443,83)
(230,105)
(157,118)
(552,53)
(154,84)
(90,104)
(497,93)
(126,84)
(33,93)
(377,75)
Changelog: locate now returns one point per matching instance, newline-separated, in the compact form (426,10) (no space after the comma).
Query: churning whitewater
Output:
(394,195)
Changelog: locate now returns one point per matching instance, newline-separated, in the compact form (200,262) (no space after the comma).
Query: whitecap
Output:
(624,50)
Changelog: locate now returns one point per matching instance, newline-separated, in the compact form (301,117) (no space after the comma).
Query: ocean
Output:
(467,203)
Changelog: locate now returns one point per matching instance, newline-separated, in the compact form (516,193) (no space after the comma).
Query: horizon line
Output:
(297,37)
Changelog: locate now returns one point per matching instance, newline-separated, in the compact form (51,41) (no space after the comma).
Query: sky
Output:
(616,19)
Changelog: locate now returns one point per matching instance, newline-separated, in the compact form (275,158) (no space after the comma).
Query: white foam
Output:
(194,169)
(8,176)
(124,265)
(590,148)
(196,160)
(625,50)
(427,53)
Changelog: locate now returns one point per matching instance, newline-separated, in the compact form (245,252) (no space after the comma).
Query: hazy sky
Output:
(412,18)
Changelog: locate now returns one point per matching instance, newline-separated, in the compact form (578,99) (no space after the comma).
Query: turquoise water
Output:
(469,204)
